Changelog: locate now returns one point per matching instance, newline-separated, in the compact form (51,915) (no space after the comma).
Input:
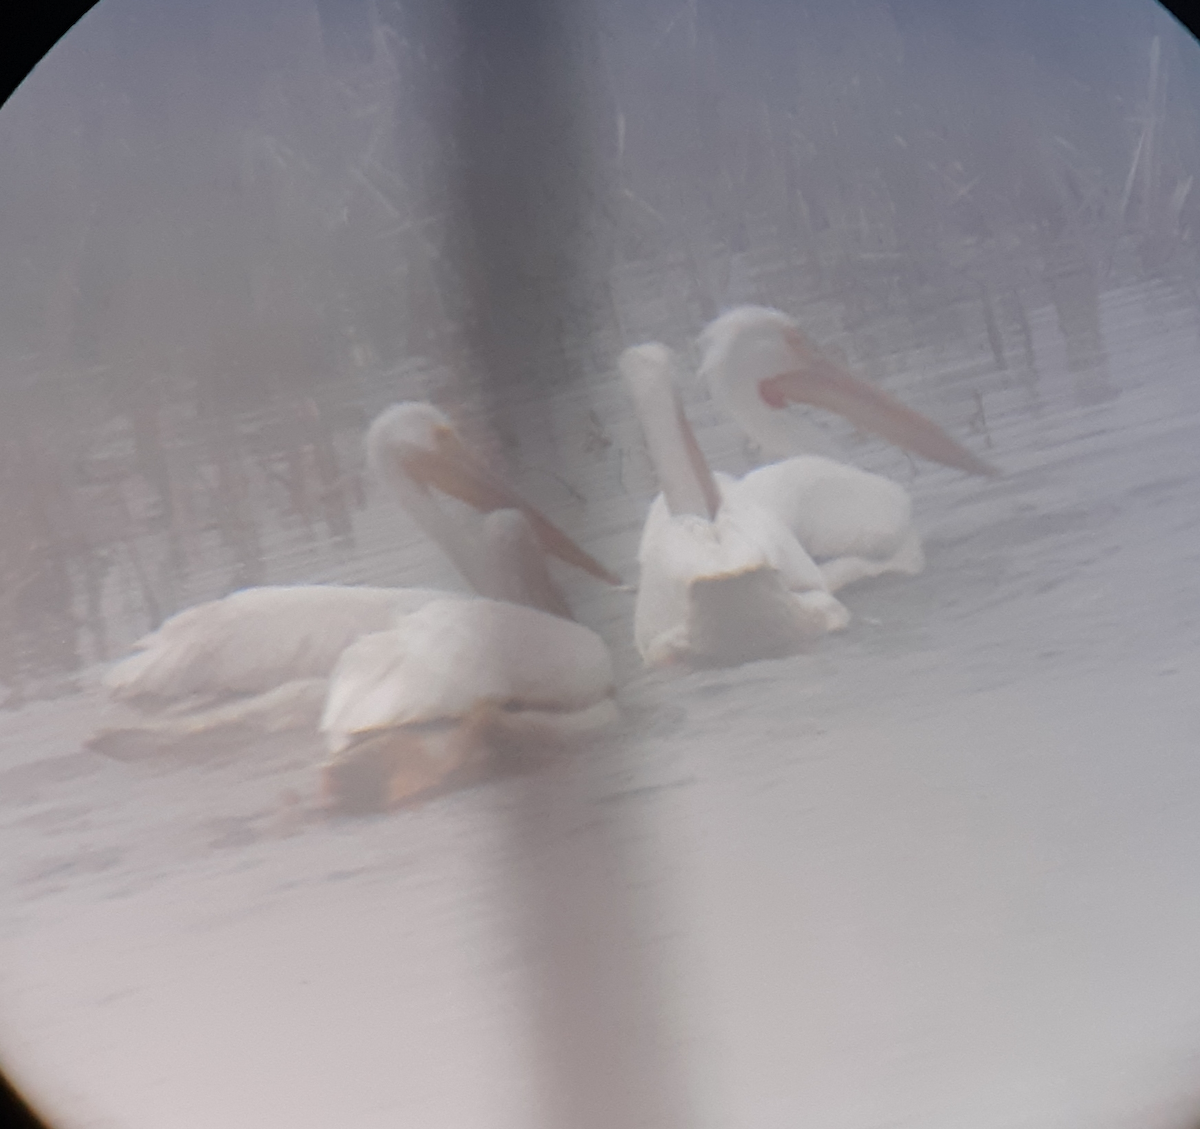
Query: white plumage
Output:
(440,662)
(257,661)
(254,640)
(854,523)
(417,707)
(722,579)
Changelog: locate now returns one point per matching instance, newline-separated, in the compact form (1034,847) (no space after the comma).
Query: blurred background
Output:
(232,232)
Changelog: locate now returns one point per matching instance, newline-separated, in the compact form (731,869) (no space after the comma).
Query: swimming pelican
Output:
(722,579)
(856,524)
(258,661)
(454,687)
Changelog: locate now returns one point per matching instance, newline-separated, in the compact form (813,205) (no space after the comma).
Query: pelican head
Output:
(755,337)
(419,442)
(757,362)
(415,449)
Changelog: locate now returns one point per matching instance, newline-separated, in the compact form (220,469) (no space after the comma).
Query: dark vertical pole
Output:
(524,193)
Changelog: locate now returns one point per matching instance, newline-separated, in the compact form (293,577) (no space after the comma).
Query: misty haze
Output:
(935,868)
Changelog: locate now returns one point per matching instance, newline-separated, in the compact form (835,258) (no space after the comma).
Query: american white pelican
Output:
(450,689)
(856,524)
(722,579)
(258,661)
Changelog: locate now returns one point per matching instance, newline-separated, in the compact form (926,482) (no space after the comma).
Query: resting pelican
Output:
(722,579)
(431,702)
(259,660)
(857,524)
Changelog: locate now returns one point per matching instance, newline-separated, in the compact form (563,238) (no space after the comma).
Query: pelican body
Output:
(452,688)
(757,362)
(259,660)
(722,579)
(853,523)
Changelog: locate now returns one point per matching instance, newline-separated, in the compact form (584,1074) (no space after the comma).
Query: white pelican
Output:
(453,686)
(722,579)
(258,661)
(856,524)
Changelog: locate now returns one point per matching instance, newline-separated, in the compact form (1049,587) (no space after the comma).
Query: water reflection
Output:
(1075,292)
(130,519)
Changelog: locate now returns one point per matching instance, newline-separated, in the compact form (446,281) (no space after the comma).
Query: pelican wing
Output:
(254,640)
(833,509)
(452,655)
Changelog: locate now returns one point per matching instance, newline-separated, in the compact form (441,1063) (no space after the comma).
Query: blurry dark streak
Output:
(521,188)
